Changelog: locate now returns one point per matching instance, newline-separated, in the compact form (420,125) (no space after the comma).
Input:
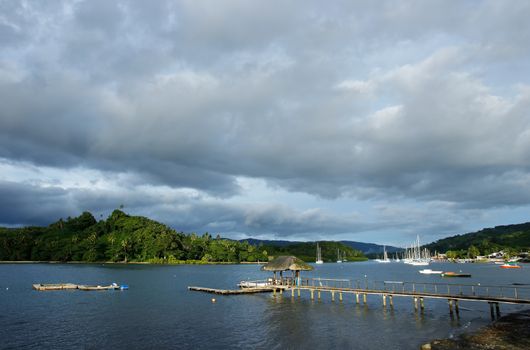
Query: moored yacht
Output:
(319,255)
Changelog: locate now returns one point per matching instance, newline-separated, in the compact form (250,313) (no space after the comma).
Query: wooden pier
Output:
(387,290)
(236,291)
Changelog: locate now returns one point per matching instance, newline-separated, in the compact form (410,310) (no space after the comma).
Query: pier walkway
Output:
(234,291)
(387,290)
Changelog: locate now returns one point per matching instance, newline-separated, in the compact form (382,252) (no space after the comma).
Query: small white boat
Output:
(430,272)
(254,284)
(419,263)
(382,260)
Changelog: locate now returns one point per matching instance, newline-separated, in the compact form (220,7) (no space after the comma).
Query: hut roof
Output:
(283,263)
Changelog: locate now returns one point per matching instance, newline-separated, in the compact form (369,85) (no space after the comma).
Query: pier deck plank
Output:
(233,291)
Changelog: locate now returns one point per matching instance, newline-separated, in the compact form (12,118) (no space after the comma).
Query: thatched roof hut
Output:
(287,263)
(284,263)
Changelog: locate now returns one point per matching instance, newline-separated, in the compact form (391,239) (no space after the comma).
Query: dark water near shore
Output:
(159,312)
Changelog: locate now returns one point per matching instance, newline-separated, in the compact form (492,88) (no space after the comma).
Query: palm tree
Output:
(126,245)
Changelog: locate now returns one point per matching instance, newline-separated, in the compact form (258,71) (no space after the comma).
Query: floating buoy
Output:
(213,300)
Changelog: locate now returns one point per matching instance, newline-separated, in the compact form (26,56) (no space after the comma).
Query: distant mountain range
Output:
(512,237)
(371,248)
(366,248)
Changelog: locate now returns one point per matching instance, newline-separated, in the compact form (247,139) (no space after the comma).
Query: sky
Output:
(370,121)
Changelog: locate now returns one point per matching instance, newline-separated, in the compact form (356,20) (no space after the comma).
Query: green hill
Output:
(509,237)
(122,237)
(119,238)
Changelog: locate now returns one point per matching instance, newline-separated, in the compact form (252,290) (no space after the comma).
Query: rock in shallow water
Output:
(510,332)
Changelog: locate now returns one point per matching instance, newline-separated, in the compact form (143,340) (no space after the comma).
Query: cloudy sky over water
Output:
(358,120)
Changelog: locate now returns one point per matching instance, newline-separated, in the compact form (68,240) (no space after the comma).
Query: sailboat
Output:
(339,260)
(385,257)
(319,255)
(415,256)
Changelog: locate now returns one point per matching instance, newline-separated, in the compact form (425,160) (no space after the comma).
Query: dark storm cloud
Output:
(373,101)
(32,204)
(25,204)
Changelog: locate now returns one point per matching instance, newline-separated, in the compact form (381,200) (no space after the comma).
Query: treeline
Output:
(307,251)
(120,238)
(472,252)
(511,239)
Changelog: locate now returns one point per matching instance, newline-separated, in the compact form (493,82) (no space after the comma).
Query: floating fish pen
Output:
(72,286)
(56,286)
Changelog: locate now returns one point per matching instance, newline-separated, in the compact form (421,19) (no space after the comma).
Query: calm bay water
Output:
(159,312)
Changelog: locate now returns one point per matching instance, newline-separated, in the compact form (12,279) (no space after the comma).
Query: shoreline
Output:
(179,262)
(183,262)
(509,332)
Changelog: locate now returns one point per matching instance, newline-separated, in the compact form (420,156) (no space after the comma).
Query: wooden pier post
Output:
(456,308)
(450,301)
(391,298)
(384,300)
(357,298)
(319,295)
(364,298)
(299,292)
(491,311)
(415,304)
(497,309)
(312,294)
(292,292)
(422,305)
(340,296)
(332,296)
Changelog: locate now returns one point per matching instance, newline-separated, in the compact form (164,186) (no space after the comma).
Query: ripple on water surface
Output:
(158,310)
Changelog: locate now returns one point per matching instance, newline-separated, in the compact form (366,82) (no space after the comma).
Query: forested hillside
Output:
(307,251)
(509,237)
(119,238)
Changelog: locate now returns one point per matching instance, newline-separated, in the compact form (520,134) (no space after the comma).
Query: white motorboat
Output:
(254,284)
(430,272)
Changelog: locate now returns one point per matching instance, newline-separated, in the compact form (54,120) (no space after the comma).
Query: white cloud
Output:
(358,86)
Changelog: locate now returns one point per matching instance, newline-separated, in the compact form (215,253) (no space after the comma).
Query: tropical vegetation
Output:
(511,239)
(126,238)
(120,238)
(307,251)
